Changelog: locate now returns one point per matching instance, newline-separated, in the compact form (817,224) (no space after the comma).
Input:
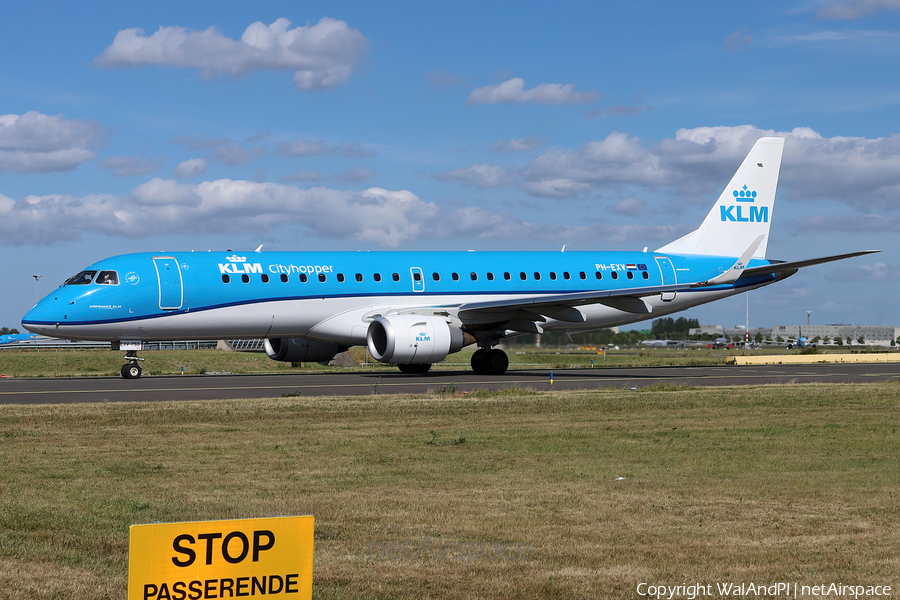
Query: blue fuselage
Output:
(331,296)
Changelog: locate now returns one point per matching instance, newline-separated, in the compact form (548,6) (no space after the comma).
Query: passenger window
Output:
(359,277)
(108,278)
(566,275)
(630,275)
(552,275)
(615,275)
(523,276)
(265,278)
(83,278)
(377,276)
(226,279)
(507,276)
(245,278)
(537,276)
(322,277)
(303,277)
(583,275)
(490,276)
(456,277)
(598,275)
(340,278)
(417,276)
(646,275)
(395,277)
(474,276)
(284,278)
(435,276)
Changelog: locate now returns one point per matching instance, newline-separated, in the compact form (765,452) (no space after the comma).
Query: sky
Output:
(353,125)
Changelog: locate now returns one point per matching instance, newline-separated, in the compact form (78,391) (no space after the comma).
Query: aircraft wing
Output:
(561,306)
(782,266)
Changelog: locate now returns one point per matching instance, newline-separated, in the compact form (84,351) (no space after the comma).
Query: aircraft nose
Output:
(42,318)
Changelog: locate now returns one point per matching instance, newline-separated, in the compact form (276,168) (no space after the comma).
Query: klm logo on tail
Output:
(757,214)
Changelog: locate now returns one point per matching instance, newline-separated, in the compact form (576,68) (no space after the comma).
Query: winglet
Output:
(737,269)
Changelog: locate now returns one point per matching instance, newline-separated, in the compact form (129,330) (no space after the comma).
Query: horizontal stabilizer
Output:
(780,267)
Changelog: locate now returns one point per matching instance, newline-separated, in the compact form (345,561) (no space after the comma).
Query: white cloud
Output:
(235,154)
(513,91)
(861,172)
(190,168)
(376,216)
(854,9)
(129,166)
(37,143)
(485,176)
(321,55)
(738,40)
(318,147)
(525,144)
(355,175)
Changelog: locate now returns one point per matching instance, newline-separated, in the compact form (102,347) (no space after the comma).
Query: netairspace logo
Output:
(754,590)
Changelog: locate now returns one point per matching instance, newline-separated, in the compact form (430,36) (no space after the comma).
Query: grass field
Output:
(510,494)
(93,363)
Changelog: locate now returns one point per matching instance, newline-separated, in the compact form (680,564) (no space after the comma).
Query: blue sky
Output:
(439,126)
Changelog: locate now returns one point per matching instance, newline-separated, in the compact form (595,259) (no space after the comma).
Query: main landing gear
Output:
(490,362)
(133,369)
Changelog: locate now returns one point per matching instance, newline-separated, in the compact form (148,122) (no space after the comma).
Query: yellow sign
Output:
(222,559)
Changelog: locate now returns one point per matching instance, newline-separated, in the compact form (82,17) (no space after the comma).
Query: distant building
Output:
(716,330)
(874,335)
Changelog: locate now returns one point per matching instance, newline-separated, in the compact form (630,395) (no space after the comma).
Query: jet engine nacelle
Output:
(413,339)
(300,350)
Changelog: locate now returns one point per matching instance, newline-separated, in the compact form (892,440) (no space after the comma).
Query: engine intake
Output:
(414,339)
(300,350)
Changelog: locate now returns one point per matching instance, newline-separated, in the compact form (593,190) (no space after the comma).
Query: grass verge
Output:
(577,494)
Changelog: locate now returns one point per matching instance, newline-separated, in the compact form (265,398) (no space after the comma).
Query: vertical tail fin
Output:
(744,210)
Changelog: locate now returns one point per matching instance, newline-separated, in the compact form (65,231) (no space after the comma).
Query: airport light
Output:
(36,295)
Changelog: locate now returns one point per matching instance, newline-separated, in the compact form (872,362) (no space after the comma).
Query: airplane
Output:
(18,338)
(800,343)
(413,309)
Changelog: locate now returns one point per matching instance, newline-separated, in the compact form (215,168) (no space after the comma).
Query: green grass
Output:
(749,484)
(92,363)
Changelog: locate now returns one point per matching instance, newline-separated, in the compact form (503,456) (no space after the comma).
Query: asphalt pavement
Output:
(356,383)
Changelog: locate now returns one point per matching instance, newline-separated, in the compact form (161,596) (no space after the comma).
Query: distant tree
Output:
(861,340)
(816,340)
(759,337)
(8,331)
(838,340)
(893,343)
(779,339)
(768,338)
(826,340)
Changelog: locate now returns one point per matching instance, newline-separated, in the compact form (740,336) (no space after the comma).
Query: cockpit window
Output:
(108,278)
(83,278)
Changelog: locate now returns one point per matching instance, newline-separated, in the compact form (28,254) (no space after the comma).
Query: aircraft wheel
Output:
(495,362)
(478,362)
(131,371)
(415,369)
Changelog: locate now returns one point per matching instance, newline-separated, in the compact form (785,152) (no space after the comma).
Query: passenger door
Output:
(171,287)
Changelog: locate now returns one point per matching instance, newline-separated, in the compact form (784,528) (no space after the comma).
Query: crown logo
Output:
(744,195)
(235,258)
